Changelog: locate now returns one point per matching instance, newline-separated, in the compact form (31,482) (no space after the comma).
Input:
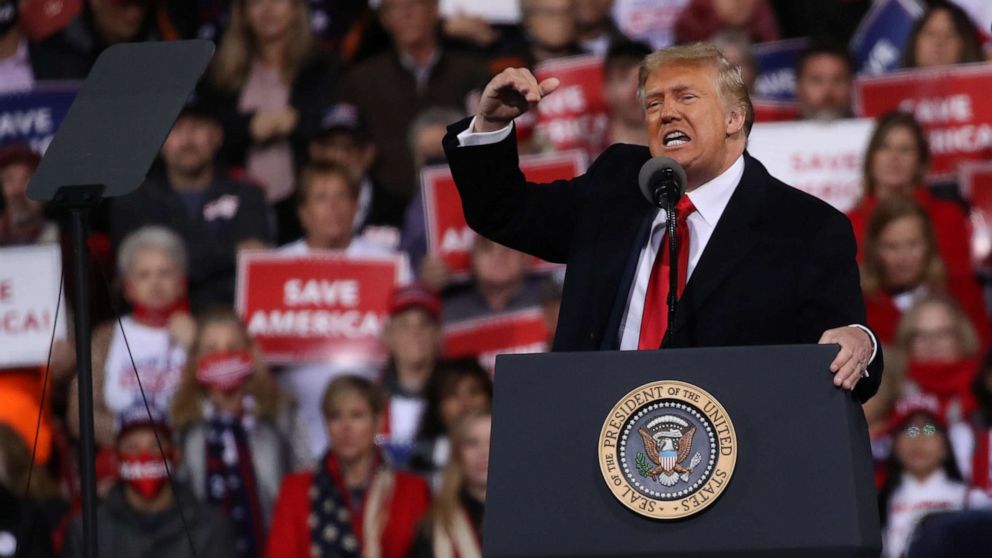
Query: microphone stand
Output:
(673,267)
(666,194)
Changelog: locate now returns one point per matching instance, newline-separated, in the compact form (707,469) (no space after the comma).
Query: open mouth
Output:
(675,138)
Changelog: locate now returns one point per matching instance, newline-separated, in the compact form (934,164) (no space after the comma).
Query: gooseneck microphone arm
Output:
(666,195)
(662,181)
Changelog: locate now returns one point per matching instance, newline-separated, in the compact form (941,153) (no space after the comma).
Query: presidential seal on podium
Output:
(667,450)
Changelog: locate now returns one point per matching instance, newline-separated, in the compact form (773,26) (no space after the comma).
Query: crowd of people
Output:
(308,134)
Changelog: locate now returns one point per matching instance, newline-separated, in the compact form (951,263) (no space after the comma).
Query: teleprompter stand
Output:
(104,147)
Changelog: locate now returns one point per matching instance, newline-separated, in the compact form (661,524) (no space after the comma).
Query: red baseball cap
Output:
(18,153)
(226,370)
(416,295)
(913,405)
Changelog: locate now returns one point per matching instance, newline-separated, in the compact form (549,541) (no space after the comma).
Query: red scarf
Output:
(980,459)
(947,380)
(159,317)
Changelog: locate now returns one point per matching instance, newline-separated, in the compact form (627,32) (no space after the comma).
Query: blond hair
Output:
(240,46)
(187,404)
(447,502)
(964,331)
(729,77)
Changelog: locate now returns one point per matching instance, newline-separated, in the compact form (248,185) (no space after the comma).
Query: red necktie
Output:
(654,320)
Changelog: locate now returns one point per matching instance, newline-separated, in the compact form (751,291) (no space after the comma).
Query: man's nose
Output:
(669,114)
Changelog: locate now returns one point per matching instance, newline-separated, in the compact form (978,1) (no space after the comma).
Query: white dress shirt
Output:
(710,200)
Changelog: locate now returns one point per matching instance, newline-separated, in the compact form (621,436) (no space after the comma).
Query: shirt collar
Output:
(712,197)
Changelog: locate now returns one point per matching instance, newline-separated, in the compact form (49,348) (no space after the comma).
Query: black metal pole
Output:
(84,365)
(673,266)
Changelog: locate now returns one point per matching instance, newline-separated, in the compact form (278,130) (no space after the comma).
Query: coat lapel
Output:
(624,230)
(735,235)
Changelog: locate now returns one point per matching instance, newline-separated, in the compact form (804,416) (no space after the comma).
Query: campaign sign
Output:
(776,61)
(821,158)
(650,21)
(521,331)
(33,116)
(575,116)
(774,111)
(449,236)
(976,185)
(951,103)
(29,295)
(878,43)
(323,306)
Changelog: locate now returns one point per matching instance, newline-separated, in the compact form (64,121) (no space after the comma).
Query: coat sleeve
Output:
(501,205)
(830,292)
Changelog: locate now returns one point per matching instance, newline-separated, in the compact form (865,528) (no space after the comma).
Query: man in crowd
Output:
(594,26)
(391,88)
(412,337)
(22,220)
(620,68)
(213,212)
(71,53)
(425,136)
(765,263)
(343,138)
(824,81)
(144,514)
(499,284)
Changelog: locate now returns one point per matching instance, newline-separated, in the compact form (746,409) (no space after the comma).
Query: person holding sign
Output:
(327,199)
(766,264)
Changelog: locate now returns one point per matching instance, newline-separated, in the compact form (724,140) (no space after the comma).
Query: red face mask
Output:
(145,472)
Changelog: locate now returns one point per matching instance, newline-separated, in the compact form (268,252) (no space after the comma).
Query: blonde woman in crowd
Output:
(268,85)
(453,526)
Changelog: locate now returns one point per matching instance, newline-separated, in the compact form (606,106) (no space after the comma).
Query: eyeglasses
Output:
(916,431)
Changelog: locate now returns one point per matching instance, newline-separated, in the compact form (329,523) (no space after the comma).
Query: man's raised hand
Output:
(511,93)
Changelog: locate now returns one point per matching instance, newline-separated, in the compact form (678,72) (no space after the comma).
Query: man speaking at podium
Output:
(760,263)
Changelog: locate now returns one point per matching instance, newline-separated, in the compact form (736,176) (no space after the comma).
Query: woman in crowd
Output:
(268,85)
(922,475)
(901,265)
(354,504)
(458,388)
(159,331)
(453,526)
(701,19)
(234,456)
(945,35)
(941,351)
(895,166)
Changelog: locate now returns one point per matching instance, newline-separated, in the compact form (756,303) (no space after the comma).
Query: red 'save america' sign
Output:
(448,235)
(951,104)
(522,331)
(317,307)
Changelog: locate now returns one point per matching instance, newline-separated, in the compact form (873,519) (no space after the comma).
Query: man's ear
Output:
(735,121)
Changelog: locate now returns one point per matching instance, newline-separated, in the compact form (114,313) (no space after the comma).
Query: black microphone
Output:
(662,181)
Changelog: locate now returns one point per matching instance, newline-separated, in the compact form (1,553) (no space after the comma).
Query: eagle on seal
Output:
(668,450)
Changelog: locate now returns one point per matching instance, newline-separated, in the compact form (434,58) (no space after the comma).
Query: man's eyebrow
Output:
(676,88)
